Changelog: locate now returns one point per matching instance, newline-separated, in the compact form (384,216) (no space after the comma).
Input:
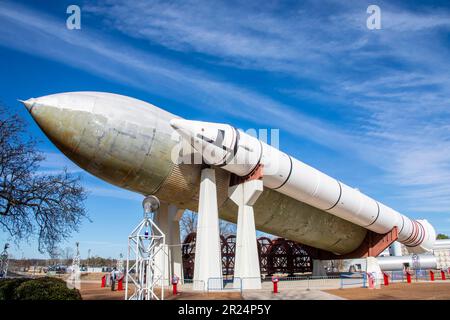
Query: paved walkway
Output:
(289,294)
(399,291)
(91,290)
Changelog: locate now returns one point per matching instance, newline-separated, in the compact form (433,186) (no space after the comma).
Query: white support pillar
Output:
(395,249)
(319,268)
(373,267)
(176,256)
(247,273)
(167,220)
(208,258)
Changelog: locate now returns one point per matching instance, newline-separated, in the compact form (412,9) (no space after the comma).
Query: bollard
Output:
(443,275)
(275,284)
(408,277)
(103,281)
(371,279)
(175,280)
(174,289)
(120,284)
(386,278)
(431,275)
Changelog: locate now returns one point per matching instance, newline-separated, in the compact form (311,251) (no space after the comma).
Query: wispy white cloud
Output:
(114,60)
(113,192)
(390,85)
(102,244)
(56,163)
(394,81)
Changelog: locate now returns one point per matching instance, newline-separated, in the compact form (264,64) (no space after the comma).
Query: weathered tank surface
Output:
(130,143)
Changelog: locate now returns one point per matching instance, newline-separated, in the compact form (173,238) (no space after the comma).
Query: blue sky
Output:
(369,107)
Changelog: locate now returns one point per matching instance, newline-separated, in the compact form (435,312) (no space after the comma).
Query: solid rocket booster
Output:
(240,153)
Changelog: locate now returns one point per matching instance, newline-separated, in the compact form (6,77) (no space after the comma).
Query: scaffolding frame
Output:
(145,244)
(76,259)
(74,280)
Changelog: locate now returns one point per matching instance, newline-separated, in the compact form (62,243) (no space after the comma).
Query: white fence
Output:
(342,281)
(301,283)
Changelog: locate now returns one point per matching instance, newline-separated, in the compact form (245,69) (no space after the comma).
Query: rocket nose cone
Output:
(28,103)
(52,113)
(213,140)
(176,124)
(185,128)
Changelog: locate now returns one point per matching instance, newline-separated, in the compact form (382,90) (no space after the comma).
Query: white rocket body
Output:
(239,153)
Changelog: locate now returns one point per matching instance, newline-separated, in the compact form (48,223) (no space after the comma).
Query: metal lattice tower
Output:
(74,279)
(4,261)
(76,259)
(120,263)
(145,243)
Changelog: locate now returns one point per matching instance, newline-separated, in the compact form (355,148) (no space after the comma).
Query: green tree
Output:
(441,236)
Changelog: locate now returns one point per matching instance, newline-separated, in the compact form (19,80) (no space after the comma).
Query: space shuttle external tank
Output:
(130,144)
(233,150)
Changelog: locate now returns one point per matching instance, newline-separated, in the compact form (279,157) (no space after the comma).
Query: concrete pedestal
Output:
(208,257)
(167,219)
(247,273)
(319,268)
(373,267)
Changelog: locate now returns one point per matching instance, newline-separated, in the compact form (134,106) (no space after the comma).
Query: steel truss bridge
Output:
(277,255)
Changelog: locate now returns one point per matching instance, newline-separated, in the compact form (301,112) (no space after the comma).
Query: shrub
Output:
(39,289)
(8,287)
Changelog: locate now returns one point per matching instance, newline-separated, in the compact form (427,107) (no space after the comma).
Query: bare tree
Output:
(47,206)
(226,228)
(188,224)
(68,254)
(55,255)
